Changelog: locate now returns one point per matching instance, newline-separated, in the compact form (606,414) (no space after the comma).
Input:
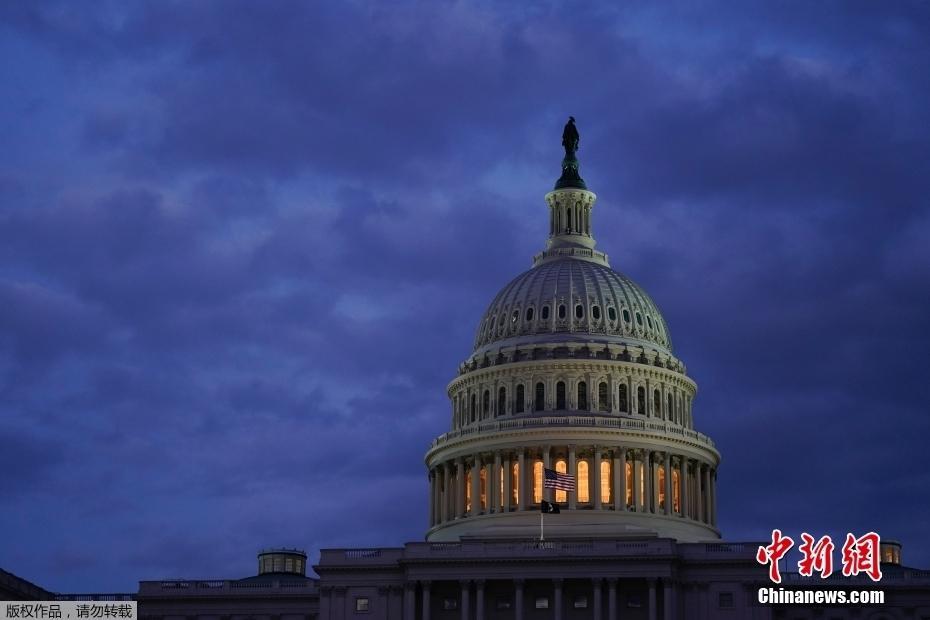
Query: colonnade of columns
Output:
(637,480)
(474,591)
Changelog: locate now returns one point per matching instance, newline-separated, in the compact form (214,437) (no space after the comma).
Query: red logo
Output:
(860,555)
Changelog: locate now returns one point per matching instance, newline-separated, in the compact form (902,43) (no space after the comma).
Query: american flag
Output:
(556,480)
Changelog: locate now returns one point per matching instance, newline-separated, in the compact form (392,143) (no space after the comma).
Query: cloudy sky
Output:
(244,247)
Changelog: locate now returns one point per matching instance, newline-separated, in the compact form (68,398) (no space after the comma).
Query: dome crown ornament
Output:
(570,176)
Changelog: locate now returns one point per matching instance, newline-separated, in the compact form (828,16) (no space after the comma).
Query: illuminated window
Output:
(483,488)
(583,487)
(361,605)
(468,491)
(676,491)
(542,602)
(560,395)
(605,481)
(537,481)
(501,401)
(561,467)
(540,396)
(662,487)
(629,483)
(582,396)
(515,483)
(657,403)
(621,399)
(518,406)
(641,400)
(602,399)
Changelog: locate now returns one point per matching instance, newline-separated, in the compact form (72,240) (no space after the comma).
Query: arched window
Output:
(641,400)
(502,401)
(529,314)
(540,403)
(560,395)
(670,410)
(561,467)
(611,313)
(621,399)
(485,404)
(603,401)
(545,313)
(596,313)
(605,481)
(483,487)
(629,483)
(661,486)
(649,321)
(626,315)
(561,311)
(473,408)
(657,403)
(583,487)
(676,491)
(582,396)
(639,319)
(568,219)
(518,406)
(468,490)
(579,311)
(537,481)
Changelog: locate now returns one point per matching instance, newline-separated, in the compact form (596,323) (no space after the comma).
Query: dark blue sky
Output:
(244,247)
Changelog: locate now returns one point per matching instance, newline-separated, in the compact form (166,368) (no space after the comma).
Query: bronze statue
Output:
(570,138)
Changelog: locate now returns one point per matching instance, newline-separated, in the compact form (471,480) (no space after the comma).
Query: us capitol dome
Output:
(572,370)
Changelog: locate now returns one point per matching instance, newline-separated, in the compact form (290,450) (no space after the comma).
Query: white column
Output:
(668,484)
(476,486)
(508,484)
(459,488)
(596,477)
(445,491)
(573,472)
(684,482)
(652,600)
(495,479)
(424,585)
(479,599)
(637,487)
(521,481)
(618,488)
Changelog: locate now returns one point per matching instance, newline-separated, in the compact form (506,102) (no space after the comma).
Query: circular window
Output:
(611,314)
(596,313)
